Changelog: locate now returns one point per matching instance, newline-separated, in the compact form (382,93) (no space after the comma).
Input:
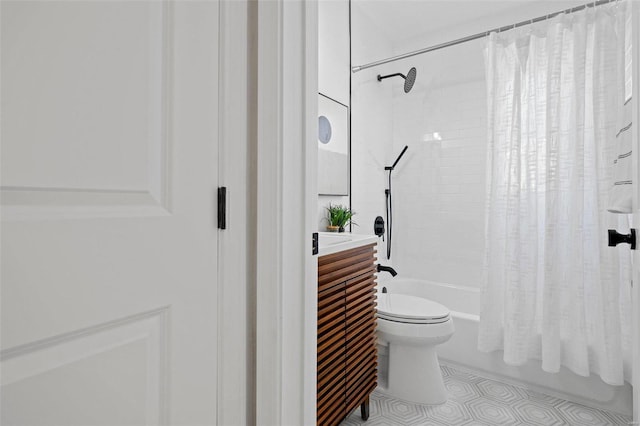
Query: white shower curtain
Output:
(552,289)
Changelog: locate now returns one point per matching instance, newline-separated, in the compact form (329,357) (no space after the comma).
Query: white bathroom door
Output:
(109,240)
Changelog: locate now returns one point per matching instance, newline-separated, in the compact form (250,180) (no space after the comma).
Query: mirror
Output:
(333,147)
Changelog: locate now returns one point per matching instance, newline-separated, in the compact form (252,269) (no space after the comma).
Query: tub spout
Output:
(388,269)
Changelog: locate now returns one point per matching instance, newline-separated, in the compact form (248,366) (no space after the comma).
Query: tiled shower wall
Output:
(371,126)
(439,186)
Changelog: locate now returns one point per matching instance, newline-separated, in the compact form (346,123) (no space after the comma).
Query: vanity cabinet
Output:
(347,352)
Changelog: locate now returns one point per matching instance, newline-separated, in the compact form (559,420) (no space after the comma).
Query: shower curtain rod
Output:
(477,36)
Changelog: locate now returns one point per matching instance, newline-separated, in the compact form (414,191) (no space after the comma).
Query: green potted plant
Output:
(339,216)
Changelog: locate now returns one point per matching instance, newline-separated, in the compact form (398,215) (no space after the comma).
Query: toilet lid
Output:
(410,309)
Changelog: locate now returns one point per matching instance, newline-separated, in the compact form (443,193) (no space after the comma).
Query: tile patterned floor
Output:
(477,401)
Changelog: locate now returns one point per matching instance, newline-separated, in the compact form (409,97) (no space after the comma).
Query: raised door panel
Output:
(85,108)
(96,376)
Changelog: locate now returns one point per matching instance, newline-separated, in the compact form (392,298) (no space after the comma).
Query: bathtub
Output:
(461,351)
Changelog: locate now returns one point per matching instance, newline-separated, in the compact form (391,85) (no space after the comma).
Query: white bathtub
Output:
(462,351)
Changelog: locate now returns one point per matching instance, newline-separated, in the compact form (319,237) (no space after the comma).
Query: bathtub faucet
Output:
(388,269)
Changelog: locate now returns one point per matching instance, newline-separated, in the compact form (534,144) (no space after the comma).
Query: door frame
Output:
(635,289)
(235,375)
(286,270)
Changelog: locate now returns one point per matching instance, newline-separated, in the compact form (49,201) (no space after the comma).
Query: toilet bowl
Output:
(412,327)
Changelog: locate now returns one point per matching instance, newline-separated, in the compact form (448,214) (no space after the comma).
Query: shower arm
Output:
(382,77)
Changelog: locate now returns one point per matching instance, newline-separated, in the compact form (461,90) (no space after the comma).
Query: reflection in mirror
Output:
(324,129)
(333,147)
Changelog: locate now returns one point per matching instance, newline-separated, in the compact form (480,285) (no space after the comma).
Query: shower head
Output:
(409,79)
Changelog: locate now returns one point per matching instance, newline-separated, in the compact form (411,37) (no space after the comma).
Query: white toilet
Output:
(412,327)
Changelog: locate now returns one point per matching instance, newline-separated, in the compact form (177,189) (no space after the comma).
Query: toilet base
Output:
(414,374)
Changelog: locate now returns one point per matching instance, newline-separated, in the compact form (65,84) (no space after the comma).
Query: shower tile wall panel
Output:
(372,126)
(439,190)
(438,187)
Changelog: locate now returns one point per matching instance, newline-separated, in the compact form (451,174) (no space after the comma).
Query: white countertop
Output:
(333,242)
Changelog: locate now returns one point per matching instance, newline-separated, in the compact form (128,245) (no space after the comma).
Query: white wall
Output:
(438,186)
(371,126)
(333,49)
(333,71)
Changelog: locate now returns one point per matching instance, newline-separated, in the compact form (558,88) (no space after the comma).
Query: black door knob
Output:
(615,238)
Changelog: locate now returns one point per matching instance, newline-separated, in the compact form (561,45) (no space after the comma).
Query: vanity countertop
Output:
(333,242)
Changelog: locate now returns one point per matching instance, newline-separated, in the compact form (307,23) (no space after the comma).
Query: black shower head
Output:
(409,79)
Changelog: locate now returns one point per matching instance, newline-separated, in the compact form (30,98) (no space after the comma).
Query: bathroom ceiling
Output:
(404,20)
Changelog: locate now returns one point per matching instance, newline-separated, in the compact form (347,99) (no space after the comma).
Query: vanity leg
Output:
(364,410)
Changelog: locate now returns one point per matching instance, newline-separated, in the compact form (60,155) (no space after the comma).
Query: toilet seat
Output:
(408,309)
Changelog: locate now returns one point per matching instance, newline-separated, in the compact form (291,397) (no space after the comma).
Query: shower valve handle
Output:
(616,238)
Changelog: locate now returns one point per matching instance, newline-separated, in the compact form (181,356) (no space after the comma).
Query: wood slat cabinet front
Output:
(347,353)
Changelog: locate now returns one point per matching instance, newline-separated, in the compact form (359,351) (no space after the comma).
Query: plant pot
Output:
(341,229)
(332,228)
